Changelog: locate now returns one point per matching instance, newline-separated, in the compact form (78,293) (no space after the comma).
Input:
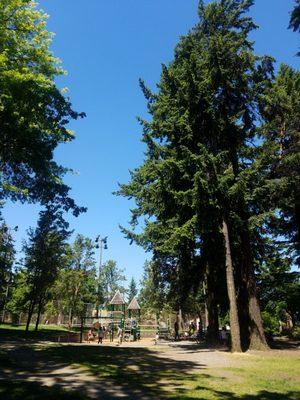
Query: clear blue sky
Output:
(105,46)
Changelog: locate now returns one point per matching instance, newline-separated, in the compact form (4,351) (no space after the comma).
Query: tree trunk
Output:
(297,220)
(5,301)
(243,304)
(30,312)
(257,334)
(70,315)
(38,315)
(59,318)
(180,323)
(205,308)
(200,326)
(234,320)
(212,335)
(257,339)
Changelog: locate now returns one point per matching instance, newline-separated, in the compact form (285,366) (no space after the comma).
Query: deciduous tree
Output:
(34,113)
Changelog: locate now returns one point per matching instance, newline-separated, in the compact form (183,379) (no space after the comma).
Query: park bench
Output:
(164,333)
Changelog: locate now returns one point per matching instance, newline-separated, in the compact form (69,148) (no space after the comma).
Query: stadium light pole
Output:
(102,245)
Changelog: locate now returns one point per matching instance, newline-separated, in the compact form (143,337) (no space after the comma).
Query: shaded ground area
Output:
(99,372)
(177,371)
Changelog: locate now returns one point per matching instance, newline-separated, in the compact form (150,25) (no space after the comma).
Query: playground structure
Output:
(113,315)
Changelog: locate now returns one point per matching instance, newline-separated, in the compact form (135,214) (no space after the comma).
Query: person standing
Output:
(176,330)
(90,335)
(224,336)
(111,333)
(120,334)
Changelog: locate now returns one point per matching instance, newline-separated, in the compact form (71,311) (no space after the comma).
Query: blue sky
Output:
(106,46)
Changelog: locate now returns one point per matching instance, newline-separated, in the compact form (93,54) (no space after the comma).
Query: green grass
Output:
(32,326)
(140,372)
(17,332)
(260,377)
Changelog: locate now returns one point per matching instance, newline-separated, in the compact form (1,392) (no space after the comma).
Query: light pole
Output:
(101,244)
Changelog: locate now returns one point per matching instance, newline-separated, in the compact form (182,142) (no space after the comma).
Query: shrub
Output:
(271,324)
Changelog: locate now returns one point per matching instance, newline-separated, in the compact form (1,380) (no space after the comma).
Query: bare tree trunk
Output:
(241,281)
(38,315)
(234,320)
(205,307)
(30,312)
(70,316)
(257,334)
(5,301)
(257,339)
(212,308)
(59,318)
(180,323)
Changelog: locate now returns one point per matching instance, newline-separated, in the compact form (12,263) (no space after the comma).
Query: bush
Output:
(296,333)
(271,324)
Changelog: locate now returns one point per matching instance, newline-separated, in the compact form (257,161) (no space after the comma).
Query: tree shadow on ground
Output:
(99,372)
(284,343)
(17,390)
(66,372)
(193,347)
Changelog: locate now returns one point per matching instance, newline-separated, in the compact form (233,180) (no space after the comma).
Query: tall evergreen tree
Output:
(132,290)
(191,186)
(278,161)
(7,258)
(152,297)
(45,253)
(295,17)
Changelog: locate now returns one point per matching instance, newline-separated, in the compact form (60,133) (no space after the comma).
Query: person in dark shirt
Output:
(176,330)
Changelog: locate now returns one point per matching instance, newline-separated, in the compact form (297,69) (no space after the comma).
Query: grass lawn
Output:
(45,332)
(21,328)
(261,378)
(78,372)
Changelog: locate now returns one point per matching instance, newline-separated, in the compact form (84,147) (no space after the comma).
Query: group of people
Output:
(102,332)
(200,334)
(191,331)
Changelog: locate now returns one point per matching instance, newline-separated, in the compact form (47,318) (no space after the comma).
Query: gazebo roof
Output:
(117,299)
(134,305)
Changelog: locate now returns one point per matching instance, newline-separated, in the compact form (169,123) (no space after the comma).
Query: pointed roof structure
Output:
(134,305)
(117,299)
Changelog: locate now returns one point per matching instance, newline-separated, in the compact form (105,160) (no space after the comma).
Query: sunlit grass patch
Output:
(260,377)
